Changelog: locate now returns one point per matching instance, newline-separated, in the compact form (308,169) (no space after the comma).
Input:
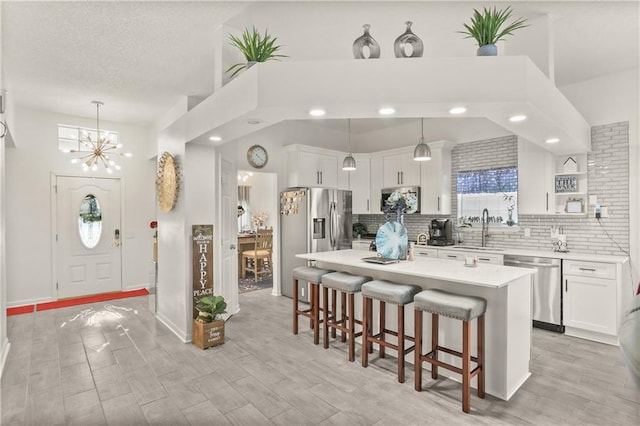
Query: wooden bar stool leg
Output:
(370,319)
(481,356)
(434,344)
(417,363)
(365,331)
(383,312)
(325,313)
(295,306)
(334,312)
(316,314)
(351,318)
(312,302)
(466,367)
(343,313)
(400,343)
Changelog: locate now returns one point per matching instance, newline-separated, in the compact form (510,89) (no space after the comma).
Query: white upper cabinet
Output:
(316,167)
(535,175)
(435,180)
(360,185)
(376,185)
(400,169)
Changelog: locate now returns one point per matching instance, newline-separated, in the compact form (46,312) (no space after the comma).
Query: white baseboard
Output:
(29,302)
(4,353)
(185,337)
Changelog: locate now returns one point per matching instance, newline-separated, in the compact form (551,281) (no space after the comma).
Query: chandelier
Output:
(100,148)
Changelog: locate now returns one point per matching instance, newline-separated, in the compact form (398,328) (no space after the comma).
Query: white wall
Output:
(29,167)
(609,99)
(4,341)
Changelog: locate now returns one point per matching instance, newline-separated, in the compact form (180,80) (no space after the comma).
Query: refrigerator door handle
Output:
(332,224)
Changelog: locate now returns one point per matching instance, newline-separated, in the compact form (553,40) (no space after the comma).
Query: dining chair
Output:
(261,251)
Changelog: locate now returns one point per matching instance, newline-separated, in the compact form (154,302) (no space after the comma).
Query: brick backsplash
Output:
(608,179)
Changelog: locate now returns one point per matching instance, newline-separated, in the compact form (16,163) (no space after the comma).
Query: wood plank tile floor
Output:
(113,363)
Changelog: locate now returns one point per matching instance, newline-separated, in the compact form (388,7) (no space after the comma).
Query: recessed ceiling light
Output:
(254,121)
(386,111)
(552,140)
(317,112)
(215,138)
(458,110)
(517,118)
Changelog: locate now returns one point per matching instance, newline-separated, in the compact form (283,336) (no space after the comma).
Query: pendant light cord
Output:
(349,131)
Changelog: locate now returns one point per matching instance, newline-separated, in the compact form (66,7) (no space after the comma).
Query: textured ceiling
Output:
(140,58)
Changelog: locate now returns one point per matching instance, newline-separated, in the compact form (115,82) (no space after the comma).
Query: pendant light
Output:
(349,163)
(422,151)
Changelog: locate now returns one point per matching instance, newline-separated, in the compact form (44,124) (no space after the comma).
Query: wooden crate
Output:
(209,334)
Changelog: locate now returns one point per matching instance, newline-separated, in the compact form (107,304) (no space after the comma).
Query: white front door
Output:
(228,228)
(88,236)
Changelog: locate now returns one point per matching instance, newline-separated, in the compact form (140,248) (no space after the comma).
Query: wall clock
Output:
(257,156)
(168,182)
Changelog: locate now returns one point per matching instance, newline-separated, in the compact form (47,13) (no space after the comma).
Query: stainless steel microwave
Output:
(386,192)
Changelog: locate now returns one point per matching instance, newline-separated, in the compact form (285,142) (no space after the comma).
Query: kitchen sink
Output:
(474,248)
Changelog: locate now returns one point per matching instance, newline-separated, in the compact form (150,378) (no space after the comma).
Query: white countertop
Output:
(485,275)
(588,257)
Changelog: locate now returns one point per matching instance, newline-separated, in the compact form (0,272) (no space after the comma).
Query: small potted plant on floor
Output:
(208,327)
(255,47)
(486,28)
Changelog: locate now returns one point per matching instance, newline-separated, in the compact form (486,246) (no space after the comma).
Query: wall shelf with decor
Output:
(570,185)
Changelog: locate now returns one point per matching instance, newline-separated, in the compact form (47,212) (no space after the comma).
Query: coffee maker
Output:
(441,233)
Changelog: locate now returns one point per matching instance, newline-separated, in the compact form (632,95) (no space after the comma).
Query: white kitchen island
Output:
(508,316)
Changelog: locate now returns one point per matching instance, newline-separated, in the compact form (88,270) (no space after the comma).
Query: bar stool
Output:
(465,309)
(386,292)
(347,285)
(314,276)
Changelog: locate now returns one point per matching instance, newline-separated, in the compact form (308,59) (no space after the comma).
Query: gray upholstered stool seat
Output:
(309,273)
(386,292)
(347,285)
(461,307)
(314,276)
(344,282)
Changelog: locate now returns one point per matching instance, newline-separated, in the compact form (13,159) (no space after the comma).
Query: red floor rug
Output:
(76,301)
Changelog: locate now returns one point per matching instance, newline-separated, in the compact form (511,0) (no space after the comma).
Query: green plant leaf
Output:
(485,27)
(255,47)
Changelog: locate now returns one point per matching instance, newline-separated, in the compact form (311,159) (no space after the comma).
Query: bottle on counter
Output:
(412,247)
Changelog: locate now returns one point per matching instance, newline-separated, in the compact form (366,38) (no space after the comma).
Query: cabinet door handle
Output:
(486,259)
(566,285)
(438,203)
(587,269)
(452,255)
(318,178)
(398,178)
(367,204)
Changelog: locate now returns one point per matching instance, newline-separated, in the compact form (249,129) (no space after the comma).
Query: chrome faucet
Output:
(485,226)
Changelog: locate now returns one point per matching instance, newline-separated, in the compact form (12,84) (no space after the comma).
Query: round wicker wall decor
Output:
(168,182)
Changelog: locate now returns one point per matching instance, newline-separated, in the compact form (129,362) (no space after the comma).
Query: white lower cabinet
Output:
(496,259)
(590,298)
(425,252)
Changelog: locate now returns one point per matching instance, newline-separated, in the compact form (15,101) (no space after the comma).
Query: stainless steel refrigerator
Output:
(311,220)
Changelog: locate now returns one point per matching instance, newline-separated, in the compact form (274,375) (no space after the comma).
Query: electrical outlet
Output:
(527,232)
(604,211)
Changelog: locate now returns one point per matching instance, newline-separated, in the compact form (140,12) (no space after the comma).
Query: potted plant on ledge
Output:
(208,327)
(486,28)
(255,47)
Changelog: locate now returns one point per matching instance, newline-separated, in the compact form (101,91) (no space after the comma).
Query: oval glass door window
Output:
(90,221)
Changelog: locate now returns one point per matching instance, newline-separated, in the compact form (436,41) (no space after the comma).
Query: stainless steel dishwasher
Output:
(547,290)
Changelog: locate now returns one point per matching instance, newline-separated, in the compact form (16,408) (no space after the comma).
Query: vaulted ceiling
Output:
(140,58)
